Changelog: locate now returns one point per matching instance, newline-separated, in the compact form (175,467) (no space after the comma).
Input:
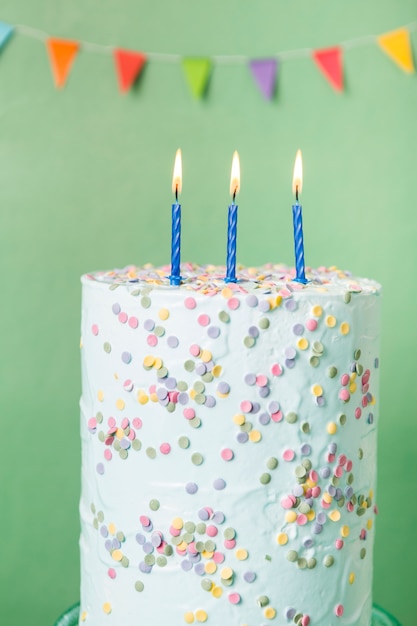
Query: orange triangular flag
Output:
(129,65)
(61,54)
(397,46)
(329,62)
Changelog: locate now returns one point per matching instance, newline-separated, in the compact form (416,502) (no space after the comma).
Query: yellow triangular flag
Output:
(397,46)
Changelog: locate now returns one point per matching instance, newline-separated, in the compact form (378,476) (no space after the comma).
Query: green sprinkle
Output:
(357,354)
(199,387)
(302,563)
(342,419)
(199,546)
(359,369)
(161,561)
(100,517)
(170,407)
(332,371)
(305,427)
(195,422)
(311,563)
(99,417)
(162,372)
(314,361)
(116,445)
(136,444)
(360,453)
(291,417)
(347,297)
(151,453)
(300,471)
(264,323)
(307,464)
(265,478)
(209,546)
(154,504)
(189,365)
(189,527)
(224,317)
(120,536)
(199,398)
(318,348)
(200,528)
(197,458)
(139,586)
(328,560)
(292,556)
(123,454)
(149,559)
(188,538)
(268,557)
(246,427)
(362,553)
(135,292)
(249,342)
(207,377)
(183,442)
(182,385)
(262,601)
(101,436)
(145,302)
(206,584)
(95,523)
(304,508)
(159,331)
(125,561)
(229,533)
(107,347)
(168,550)
(93,508)
(272,463)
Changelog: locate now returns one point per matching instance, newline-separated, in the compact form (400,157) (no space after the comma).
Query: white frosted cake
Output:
(228,447)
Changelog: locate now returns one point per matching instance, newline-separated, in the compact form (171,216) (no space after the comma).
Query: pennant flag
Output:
(397,46)
(329,62)
(6,31)
(129,65)
(197,72)
(264,72)
(61,54)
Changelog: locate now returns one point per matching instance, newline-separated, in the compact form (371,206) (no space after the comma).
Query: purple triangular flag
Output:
(264,72)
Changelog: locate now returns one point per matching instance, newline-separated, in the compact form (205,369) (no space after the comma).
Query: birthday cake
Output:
(228,447)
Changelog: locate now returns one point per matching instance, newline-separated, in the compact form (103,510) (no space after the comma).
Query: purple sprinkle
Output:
(164,402)
(332,490)
(321,518)
(242,437)
(210,402)
(170,382)
(349,492)
(249,577)
(103,531)
(253,331)
(126,357)
(100,468)
(308,542)
(298,329)
(298,491)
(147,547)
(291,305)
(162,393)
(140,539)
(186,565)
(309,501)
(353,367)
(252,301)
(149,325)
(219,484)
(116,308)
(203,514)
(194,558)
(201,369)
(250,379)
(172,341)
(156,540)
(273,406)
(115,544)
(369,396)
(290,363)
(324,472)
(145,569)
(148,529)
(125,443)
(255,407)
(223,387)
(332,448)
(317,528)
(264,419)
(191,488)
(320,400)
(290,613)
(305,449)
(338,494)
(213,332)
(200,569)
(218,517)
(108,545)
(209,366)
(264,306)
(290,352)
(264,392)
(183,397)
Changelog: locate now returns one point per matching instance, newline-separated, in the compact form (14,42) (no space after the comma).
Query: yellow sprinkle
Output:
(269,612)
(278,301)
(344,531)
(255,436)
(239,419)
(107,607)
(226,573)
(153,397)
(334,516)
(182,546)
(222,395)
(331,321)
(351,578)
(206,554)
(120,404)
(216,371)
(311,515)
(116,376)
(271,303)
(353,376)
(282,539)
(120,433)
(317,390)
(158,363)
(317,311)
(83,616)
(100,395)
(332,428)
(149,360)
(352,387)
(327,497)
(210,567)
(189,618)
(206,356)
(142,397)
(177,523)
(217,592)
(241,554)
(201,616)
(369,524)
(227,292)
(310,483)
(371,494)
(117,555)
(344,328)
(111,528)
(163,314)
(290,516)
(373,401)
(302,343)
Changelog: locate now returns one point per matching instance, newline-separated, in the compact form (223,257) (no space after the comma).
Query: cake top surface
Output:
(210,279)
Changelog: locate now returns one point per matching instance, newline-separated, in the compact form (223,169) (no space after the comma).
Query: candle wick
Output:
(176,193)
(234,195)
(296,193)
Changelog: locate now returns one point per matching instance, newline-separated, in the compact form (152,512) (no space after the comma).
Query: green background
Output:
(85,177)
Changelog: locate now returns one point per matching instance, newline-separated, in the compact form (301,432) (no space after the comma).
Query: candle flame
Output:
(177,176)
(235,176)
(297,181)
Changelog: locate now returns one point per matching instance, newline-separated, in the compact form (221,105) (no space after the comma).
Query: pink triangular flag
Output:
(264,72)
(129,65)
(329,62)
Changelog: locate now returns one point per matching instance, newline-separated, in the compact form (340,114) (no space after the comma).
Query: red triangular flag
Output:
(61,53)
(129,65)
(329,62)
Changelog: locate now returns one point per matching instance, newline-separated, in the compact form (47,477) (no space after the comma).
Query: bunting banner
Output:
(129,64)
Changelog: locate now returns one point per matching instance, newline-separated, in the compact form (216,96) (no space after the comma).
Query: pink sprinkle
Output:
(344,395)
(261,380)
(133,322)
(92,423)
(233,303)
(339,544)
(165,448)
(132,435)
(276,369)
(211,531)
(161,548)
(195,349)
(344,380)
(173,396)
(108,454)
(94,329)
(125,423)
(137,422)
(181,552)
(305,620)
(309,493)
(364,402)
(145,521)
(152,389)
(325,505)
(362,534)
(229,544)
(330,458)
(342,459)
(188,413)
(218,557)
(203,319)
(311,324)
(277,417)
(246,406)
(227,454)
(339,610)
(338,472)
(313,476)
(190,303)
(365,377)
(123,317)
(316,491)
(112,573)
(174,532)
(234,598)
(128,385)
(350,507)
(365,388)
(111,422)
(288,455)
(287,503)
(109,441)
(349,466)
(358,413)
(152,340)
(302,519)
(191,548)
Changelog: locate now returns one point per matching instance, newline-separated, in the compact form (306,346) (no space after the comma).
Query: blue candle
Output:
(175,277)
(232,221)
(297,214)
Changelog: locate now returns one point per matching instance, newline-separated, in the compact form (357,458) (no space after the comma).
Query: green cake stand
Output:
(379,617)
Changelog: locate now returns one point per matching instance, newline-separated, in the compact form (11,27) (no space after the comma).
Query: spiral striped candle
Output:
(297,214)
(175,278)
(231,243)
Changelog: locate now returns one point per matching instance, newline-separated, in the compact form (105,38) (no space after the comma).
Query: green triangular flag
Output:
(197,72)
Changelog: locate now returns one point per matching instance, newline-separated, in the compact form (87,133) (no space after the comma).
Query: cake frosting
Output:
(228,447)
